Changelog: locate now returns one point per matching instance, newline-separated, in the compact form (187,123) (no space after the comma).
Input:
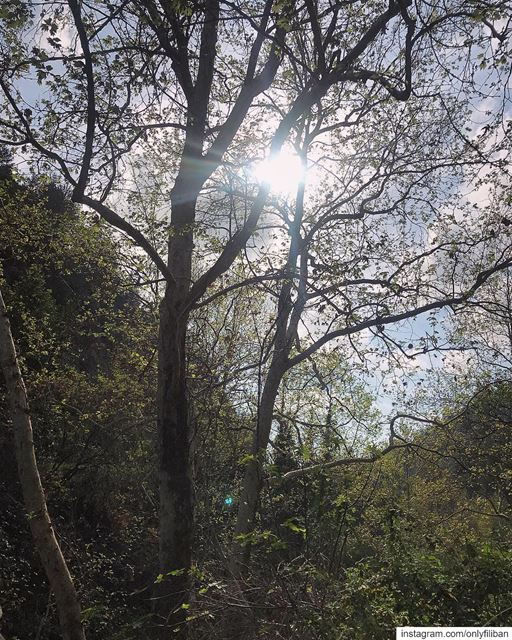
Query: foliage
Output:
(469,586)
(73,313)
(280,314)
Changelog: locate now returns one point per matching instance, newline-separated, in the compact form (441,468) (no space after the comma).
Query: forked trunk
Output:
(46,543)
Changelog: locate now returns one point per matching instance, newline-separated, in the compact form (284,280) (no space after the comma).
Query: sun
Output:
(283,172)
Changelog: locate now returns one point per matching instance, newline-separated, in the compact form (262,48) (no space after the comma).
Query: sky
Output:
(283,173)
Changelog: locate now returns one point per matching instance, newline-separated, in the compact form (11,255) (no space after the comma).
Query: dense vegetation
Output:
(422,536)
(255,317)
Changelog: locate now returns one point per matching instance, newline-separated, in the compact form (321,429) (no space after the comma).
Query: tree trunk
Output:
(176,498)
(253,478)
(288,314)
(175,475)
(41,527)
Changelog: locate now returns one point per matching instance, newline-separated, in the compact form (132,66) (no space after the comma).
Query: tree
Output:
(170,75)
(476,445)
(367,289)
(86,342)
(33,493)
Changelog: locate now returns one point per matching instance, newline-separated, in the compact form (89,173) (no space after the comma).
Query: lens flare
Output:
(283,173)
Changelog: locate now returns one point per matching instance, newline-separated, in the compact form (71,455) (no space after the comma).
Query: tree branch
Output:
(120,223)
(321,466)
(481,278)
(91,100)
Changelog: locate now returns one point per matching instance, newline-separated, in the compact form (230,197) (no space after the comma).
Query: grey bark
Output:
(45,541)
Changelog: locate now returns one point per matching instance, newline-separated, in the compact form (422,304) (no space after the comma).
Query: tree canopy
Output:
(306,198)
